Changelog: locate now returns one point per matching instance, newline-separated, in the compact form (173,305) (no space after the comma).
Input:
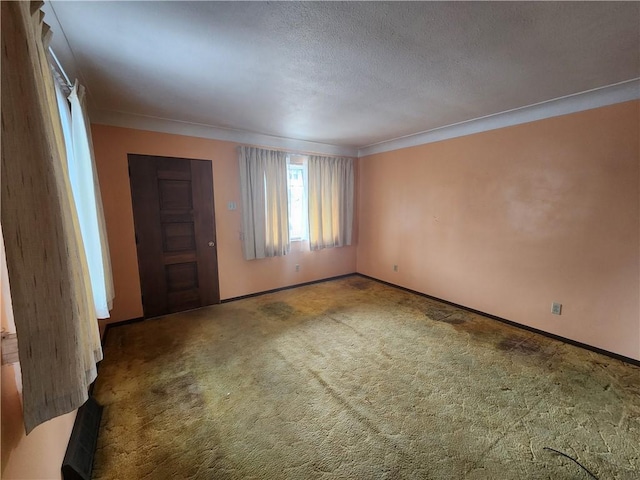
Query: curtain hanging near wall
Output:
(263,185)
(331,190)
(86,192)
(53,307)
(86,195)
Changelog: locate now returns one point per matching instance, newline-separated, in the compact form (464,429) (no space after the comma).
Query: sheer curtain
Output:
(331,190)
(86,193)
(58,338)
(263,185)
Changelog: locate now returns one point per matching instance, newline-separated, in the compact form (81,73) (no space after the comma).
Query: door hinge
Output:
(142,299)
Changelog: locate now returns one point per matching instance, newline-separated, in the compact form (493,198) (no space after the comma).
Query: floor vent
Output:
(78,461)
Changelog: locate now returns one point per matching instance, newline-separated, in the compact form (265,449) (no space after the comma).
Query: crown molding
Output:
(163,125)
(599,97)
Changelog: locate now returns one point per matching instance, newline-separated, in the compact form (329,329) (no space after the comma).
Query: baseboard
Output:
(575,343)
(601,351)
(120,323)
(289,287)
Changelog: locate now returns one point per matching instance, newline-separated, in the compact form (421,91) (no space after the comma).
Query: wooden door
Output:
(175,233)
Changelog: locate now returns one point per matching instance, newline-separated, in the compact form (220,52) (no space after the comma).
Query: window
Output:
(290,197)
(297,193)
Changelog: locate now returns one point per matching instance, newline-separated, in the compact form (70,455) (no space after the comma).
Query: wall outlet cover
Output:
(556,308)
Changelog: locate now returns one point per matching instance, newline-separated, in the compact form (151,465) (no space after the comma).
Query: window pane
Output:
(297,201)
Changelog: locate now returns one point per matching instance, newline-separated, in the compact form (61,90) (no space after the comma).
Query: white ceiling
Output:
(349,74)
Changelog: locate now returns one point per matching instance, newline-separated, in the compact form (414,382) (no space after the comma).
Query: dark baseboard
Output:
(121,323)
(601,351)
(108,326)
(257,294)
(617,356)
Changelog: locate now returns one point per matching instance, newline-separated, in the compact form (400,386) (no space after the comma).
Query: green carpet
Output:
(355,379)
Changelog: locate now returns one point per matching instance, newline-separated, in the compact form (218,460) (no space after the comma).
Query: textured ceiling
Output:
(343,73)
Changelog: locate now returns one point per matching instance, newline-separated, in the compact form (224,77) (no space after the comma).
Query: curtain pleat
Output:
(263,185)
(54,313)
(331,190)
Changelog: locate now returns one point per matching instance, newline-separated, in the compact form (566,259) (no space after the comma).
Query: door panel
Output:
(175,233)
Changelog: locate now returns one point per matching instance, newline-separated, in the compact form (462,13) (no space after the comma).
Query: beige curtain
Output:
(331,190)
(58,337)
(263,185)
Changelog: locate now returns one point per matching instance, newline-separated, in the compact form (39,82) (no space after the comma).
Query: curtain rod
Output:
(294,152)
(58,66)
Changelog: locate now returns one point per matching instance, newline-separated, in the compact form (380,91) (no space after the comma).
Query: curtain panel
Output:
(58,338)
(86,192)
(331,191)
(265,219)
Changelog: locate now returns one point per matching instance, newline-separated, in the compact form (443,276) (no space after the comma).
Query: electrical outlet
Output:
(395,268)
(556,308)
(297,267)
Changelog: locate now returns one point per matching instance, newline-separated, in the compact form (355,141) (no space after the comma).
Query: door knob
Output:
(212,244)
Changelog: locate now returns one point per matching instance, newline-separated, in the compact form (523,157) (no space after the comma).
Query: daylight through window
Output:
(298,207)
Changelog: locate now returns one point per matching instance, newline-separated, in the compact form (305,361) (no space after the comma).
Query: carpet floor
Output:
(352,378)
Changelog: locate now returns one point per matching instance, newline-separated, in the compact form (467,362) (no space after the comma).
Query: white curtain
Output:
(86,193)
(331,190)
(58,337)
(263,185)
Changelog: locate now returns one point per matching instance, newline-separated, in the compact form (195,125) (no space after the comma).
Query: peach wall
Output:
(510,220)
(39,455)
(237,276)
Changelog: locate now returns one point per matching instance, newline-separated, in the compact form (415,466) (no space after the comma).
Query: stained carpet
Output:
(355,379)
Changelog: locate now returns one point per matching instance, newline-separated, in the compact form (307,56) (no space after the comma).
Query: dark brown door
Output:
(175,233)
